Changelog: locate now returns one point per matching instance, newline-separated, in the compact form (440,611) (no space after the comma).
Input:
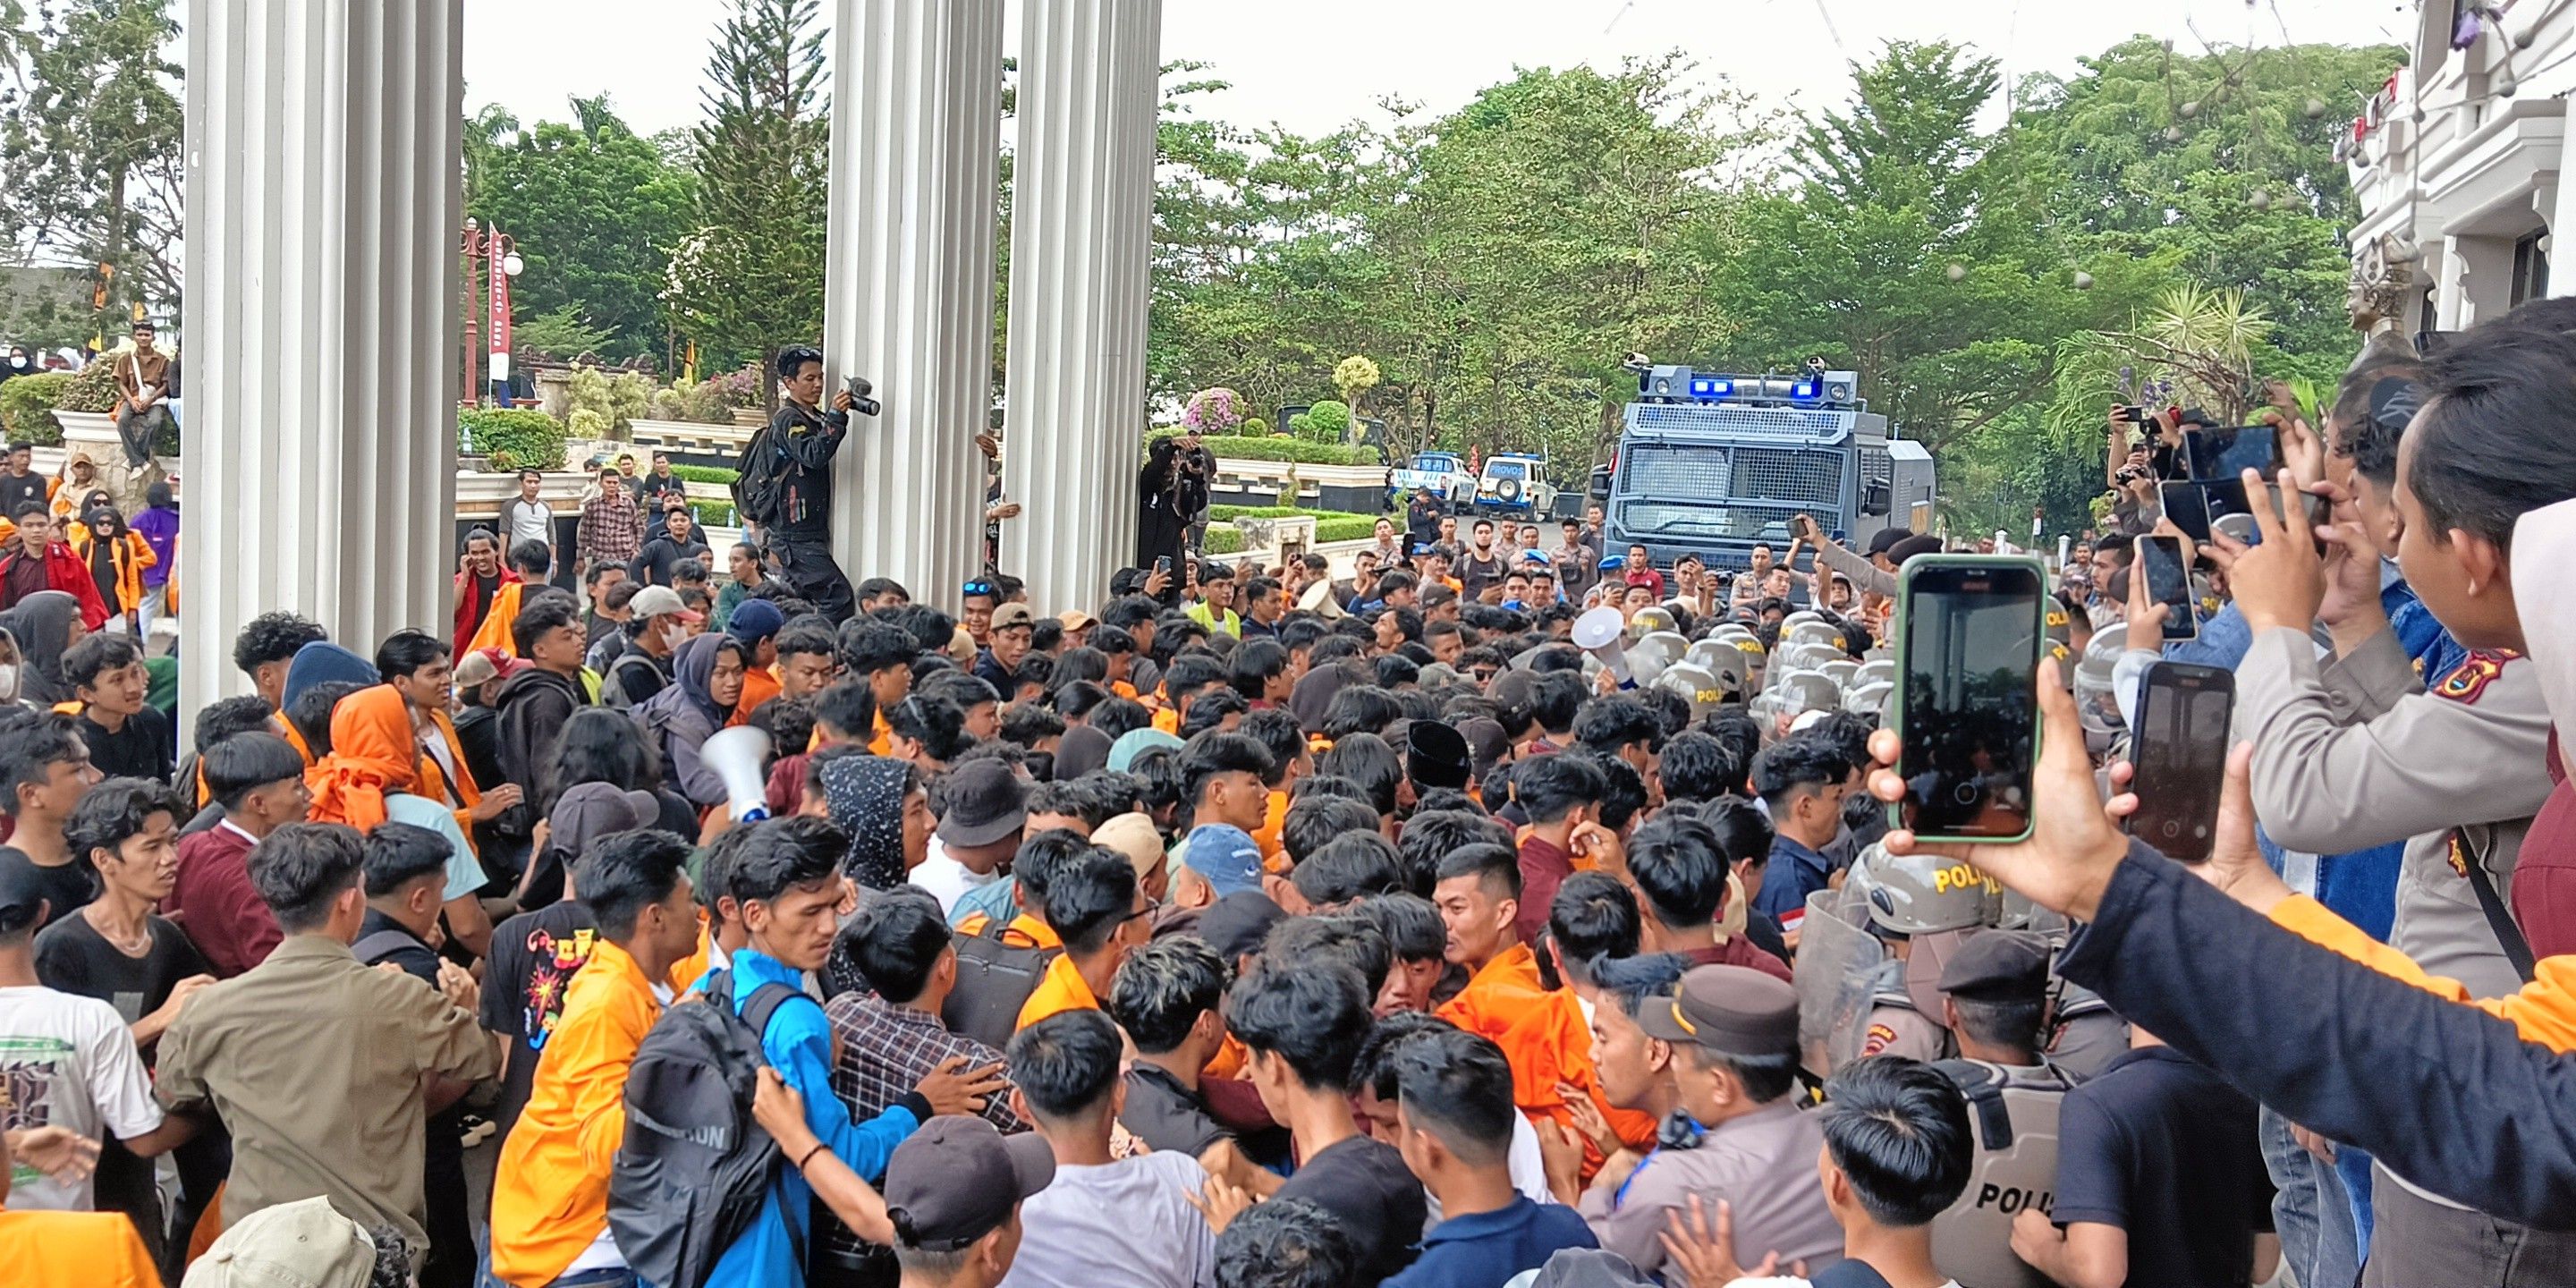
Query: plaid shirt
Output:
(611,528)
(881,1053)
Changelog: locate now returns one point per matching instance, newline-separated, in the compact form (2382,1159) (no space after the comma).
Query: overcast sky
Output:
(1313,65)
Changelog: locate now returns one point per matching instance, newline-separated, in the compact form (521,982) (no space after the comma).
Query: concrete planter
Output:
(690,442)
(94,432)
(1349,489)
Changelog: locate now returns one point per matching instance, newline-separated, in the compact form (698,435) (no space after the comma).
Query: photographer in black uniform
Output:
(786,480)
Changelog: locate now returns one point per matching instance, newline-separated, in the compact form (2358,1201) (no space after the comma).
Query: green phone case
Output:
(1904,669)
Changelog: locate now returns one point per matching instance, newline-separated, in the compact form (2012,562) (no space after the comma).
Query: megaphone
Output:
(735,755)
(1600,632)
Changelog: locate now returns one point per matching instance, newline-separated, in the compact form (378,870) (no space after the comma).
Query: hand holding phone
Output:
(2179,754)
(1968,653)
(2161,575)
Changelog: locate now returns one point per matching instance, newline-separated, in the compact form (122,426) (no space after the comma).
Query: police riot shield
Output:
(1836,972)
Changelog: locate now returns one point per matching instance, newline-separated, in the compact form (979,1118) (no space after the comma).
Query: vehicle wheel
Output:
(1508,491)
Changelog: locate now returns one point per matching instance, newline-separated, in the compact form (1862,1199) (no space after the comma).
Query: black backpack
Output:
(694,1167)
(994,979)
(760,479)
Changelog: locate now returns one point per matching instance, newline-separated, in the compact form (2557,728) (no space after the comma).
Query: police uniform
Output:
(1763,1163)
(2012,1118)
(1895,1026)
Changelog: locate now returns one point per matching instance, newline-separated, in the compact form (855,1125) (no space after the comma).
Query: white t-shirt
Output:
(1134,1215)
(465,873)
(947,878)
(69,1061)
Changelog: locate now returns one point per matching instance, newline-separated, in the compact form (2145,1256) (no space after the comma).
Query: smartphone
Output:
(1970,629)
(2214,454)
(2168,583)
(2187,507)
(2179,753)
(1162,563)
(2133,415)
(2231,509)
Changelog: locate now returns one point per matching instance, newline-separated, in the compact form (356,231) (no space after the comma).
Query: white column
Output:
(323,197)
(916,159)
(1082,222)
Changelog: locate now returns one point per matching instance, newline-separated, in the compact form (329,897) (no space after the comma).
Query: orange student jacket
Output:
(130,556)
(1544,1036)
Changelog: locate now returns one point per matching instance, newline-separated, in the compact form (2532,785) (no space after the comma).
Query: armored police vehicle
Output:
(1713,465)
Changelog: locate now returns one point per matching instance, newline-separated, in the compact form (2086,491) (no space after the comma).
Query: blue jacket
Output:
(1485,1248)
(1793,873)
(799,1043)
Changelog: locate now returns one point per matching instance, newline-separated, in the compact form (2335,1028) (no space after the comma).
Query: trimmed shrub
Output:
(714,512)
(532,439)
(92,389)
(1295,450)
(1345,527)
(27,408)
(719,475)
(1223,539)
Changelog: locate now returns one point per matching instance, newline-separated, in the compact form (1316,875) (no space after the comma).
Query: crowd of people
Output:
(1259,928)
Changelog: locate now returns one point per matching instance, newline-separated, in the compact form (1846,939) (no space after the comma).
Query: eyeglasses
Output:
(977,587)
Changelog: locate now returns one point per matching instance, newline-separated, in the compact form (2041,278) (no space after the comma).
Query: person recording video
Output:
(791,498)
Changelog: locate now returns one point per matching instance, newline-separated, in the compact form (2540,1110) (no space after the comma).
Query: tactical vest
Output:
(2013,1115)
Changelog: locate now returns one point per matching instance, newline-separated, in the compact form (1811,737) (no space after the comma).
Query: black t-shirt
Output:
(534,957)
(142,749)
(2165,1149)
(18,493)
(1365,1185)
(66,889)
(72,956)
(1166,1115)
(1475,574)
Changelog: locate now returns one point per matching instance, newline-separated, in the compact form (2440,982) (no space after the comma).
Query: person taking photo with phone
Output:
(793,504)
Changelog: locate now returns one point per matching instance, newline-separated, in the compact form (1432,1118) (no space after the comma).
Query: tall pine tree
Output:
(749,280)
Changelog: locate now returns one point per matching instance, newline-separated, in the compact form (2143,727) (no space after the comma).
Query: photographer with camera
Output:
(785,479)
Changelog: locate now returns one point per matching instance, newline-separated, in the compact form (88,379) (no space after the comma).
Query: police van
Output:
(1712,465)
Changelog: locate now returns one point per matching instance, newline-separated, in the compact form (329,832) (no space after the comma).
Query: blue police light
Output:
(1706,387)
(1806,390)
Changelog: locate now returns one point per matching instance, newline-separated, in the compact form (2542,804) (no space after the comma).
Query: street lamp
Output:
(498,254)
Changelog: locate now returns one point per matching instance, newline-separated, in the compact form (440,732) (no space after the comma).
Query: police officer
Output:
(805,439)
(1923,907)
(1995,998)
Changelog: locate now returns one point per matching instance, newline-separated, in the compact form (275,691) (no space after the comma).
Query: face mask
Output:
(8,683)
(675,635)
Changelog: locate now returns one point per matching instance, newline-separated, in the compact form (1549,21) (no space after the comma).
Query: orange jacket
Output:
(129,557)
(2543,1011)
(1544,1037)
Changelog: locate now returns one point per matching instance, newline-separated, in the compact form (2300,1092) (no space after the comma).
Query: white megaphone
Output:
(735,755)
(1602,633)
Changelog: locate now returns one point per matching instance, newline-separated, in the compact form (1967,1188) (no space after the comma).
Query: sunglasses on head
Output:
(978,587)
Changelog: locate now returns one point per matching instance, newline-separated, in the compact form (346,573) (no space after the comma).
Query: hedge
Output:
(1223,538)
(1296,450)
(716,474)
(532,439)
(27,408)
(716,513)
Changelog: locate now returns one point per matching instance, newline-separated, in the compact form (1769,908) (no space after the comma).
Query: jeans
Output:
(156,604)
(2309,1210)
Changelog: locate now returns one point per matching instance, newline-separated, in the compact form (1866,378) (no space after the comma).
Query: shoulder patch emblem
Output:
(2472,676)
(1879,1038)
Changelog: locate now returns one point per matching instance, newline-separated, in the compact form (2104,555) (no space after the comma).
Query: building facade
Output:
(2456,164)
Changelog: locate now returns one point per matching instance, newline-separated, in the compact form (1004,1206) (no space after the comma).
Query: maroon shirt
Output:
(1543,868)
(213,901)
(2544,875)
(1740,951)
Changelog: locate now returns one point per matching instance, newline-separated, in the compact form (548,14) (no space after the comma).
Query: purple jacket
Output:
(160,529)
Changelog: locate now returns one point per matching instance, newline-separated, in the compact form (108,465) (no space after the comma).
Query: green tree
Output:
(90,146)
(594,209)
(749,279)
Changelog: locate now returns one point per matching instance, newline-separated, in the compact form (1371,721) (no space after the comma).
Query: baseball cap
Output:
(1885,539)
(1225,857)
(1732,1009)
(2002,965)
(985,803)
(477,667)
(1072,619)
(755,620)
(662,601)
(1136,742)
(957,1180)
(1132,835)
(22,898)
(1009,615)
(305,1244)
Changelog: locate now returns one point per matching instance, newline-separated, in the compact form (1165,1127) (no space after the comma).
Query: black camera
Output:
(859,389)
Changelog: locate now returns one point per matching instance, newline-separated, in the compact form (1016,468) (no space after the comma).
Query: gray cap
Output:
(1998,965)
(306,1244)
(986,802)
(957,1180)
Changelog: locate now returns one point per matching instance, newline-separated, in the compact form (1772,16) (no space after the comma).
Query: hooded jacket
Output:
(683,716)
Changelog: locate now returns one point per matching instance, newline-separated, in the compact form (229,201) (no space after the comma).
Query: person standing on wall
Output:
(786,482)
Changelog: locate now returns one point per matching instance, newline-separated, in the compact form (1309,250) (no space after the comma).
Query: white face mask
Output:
(675,635)
(8,683)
